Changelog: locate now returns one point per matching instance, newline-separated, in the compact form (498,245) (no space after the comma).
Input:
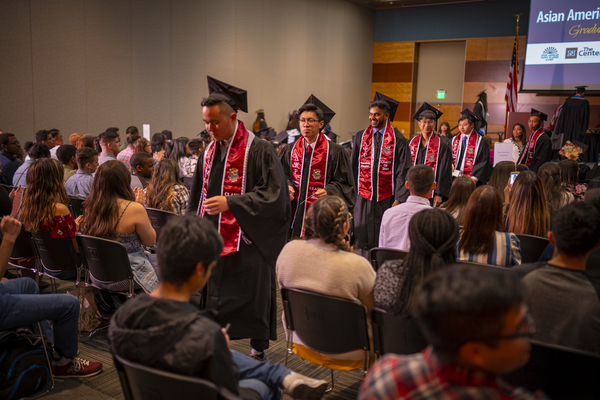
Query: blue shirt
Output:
(80,184)
(9,167)
(19,178)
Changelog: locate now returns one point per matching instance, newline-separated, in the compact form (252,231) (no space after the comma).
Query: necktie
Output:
(378,140)
(308,151)
(464,144)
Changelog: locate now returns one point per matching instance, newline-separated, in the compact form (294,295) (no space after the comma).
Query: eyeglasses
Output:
(526,324)
(310,121)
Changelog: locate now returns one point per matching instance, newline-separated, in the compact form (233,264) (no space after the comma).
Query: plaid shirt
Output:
(422,376)
(125,155)
(180,201)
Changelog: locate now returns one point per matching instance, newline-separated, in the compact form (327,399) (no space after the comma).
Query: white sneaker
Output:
(302,387)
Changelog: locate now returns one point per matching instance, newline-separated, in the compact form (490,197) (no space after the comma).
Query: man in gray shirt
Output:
(110,143)
(80,184)
(563,300)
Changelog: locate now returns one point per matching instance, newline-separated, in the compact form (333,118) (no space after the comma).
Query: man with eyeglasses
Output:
(314,165)
(478,326)
(10,150)
(539,149)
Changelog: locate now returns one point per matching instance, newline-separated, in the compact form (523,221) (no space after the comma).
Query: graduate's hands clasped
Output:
(216,205)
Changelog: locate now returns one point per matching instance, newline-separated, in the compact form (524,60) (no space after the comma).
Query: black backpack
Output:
(23,364)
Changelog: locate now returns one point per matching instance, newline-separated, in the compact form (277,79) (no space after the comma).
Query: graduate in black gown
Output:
(480,111)
(470,152)
(427,148)
(378,149)
(538,149)
(240,186)
(574,118)
(314,165)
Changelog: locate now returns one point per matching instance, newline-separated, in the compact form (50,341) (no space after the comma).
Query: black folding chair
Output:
(592,267)
(75,205)
(326,324)
(23,250)
(395,334)
(56,257)
(379,255)
(561,372)
(532,247)
(144,383)
(159,218)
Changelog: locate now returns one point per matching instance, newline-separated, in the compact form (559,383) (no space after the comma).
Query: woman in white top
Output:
(322,262)
(518,139)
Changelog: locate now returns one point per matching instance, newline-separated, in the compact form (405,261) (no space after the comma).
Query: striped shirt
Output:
(506,253)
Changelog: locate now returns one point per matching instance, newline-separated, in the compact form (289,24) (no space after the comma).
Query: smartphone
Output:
(513,176)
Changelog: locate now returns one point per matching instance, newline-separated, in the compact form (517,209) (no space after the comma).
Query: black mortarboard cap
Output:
(580,89)
(482,93)
(426,106)
(392,104)
(282,137)
(541,115)
(237,98)
(466,113)
(328,113)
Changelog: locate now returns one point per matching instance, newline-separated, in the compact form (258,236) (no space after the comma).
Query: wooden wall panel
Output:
(400,91)
(393,52)
(393,72)
(477,49)
(402,126)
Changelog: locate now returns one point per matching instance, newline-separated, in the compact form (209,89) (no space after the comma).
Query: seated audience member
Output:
(126,154)
(66,155)
(46,138)
(87,141)
(461,189)
(10,151)
(522,167)
(109,143)
(195,146)
(333,270)
(142,167)
(188,341)
(592,197)
(556,194)
(58,141)
(34,152)
(74,138)
(394,223)
(80,184)
(593,184)
(165,191)
(433,235)
(142,145)
(180,152)
(483,239)
(131,131)
(158,143)
(478,326)
(501,175)
(22,305)
(527,210)
(569,173)
(561,297)
(44,207)
(122,219)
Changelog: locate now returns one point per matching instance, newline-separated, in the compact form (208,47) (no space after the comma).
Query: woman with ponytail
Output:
(322,262)
(433,234)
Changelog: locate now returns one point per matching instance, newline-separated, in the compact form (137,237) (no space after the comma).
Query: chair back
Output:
(395,334)
(188,182)
(592,267)
(144,383)
(379,255)
(23,247)
(55,255)
(464,262)
(75,205)
(532,247)
(106,260)
(159,218)
(561,372)
(325,324)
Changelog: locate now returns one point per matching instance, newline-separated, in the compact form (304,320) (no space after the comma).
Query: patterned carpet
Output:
(106,385)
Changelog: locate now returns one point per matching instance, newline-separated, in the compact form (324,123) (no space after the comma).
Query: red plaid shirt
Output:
(422,376)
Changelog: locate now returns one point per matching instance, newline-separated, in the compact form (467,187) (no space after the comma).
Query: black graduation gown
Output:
(573,120)
(443,173)
(367,213)
(541,154)
(340,182)
(479,112)
(242,287)
(480,165)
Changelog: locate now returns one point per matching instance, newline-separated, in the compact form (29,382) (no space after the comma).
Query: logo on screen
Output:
(550,53)
(571,52)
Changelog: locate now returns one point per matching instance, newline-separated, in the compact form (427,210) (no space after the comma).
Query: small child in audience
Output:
(195,146)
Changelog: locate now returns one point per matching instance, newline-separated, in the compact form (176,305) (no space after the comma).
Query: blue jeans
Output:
(22,305)
(263,377)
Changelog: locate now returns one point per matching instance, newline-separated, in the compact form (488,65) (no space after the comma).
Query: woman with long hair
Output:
(180,153)
(332,269)
(158,142)
(501,175)
(556,195)
(569,173)
(110,212)
(44,206)
(527,210)
(433,235)
(166,191)
(461,189)
(518,140)
(483,239)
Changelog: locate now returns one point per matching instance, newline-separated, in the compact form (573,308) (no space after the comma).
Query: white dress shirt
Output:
(393,233)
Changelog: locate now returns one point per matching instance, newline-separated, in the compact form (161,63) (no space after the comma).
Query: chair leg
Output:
(49,366)
(288,350)
(332,383)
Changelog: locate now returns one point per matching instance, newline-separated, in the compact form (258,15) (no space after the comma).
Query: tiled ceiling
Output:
(378,4)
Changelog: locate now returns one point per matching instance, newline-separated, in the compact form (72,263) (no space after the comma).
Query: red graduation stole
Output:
(431,152)
(385,169)
(234,182)
(317,172)
(530,149)
(469,158)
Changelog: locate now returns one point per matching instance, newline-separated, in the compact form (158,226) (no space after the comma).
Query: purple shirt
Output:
(393,233)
